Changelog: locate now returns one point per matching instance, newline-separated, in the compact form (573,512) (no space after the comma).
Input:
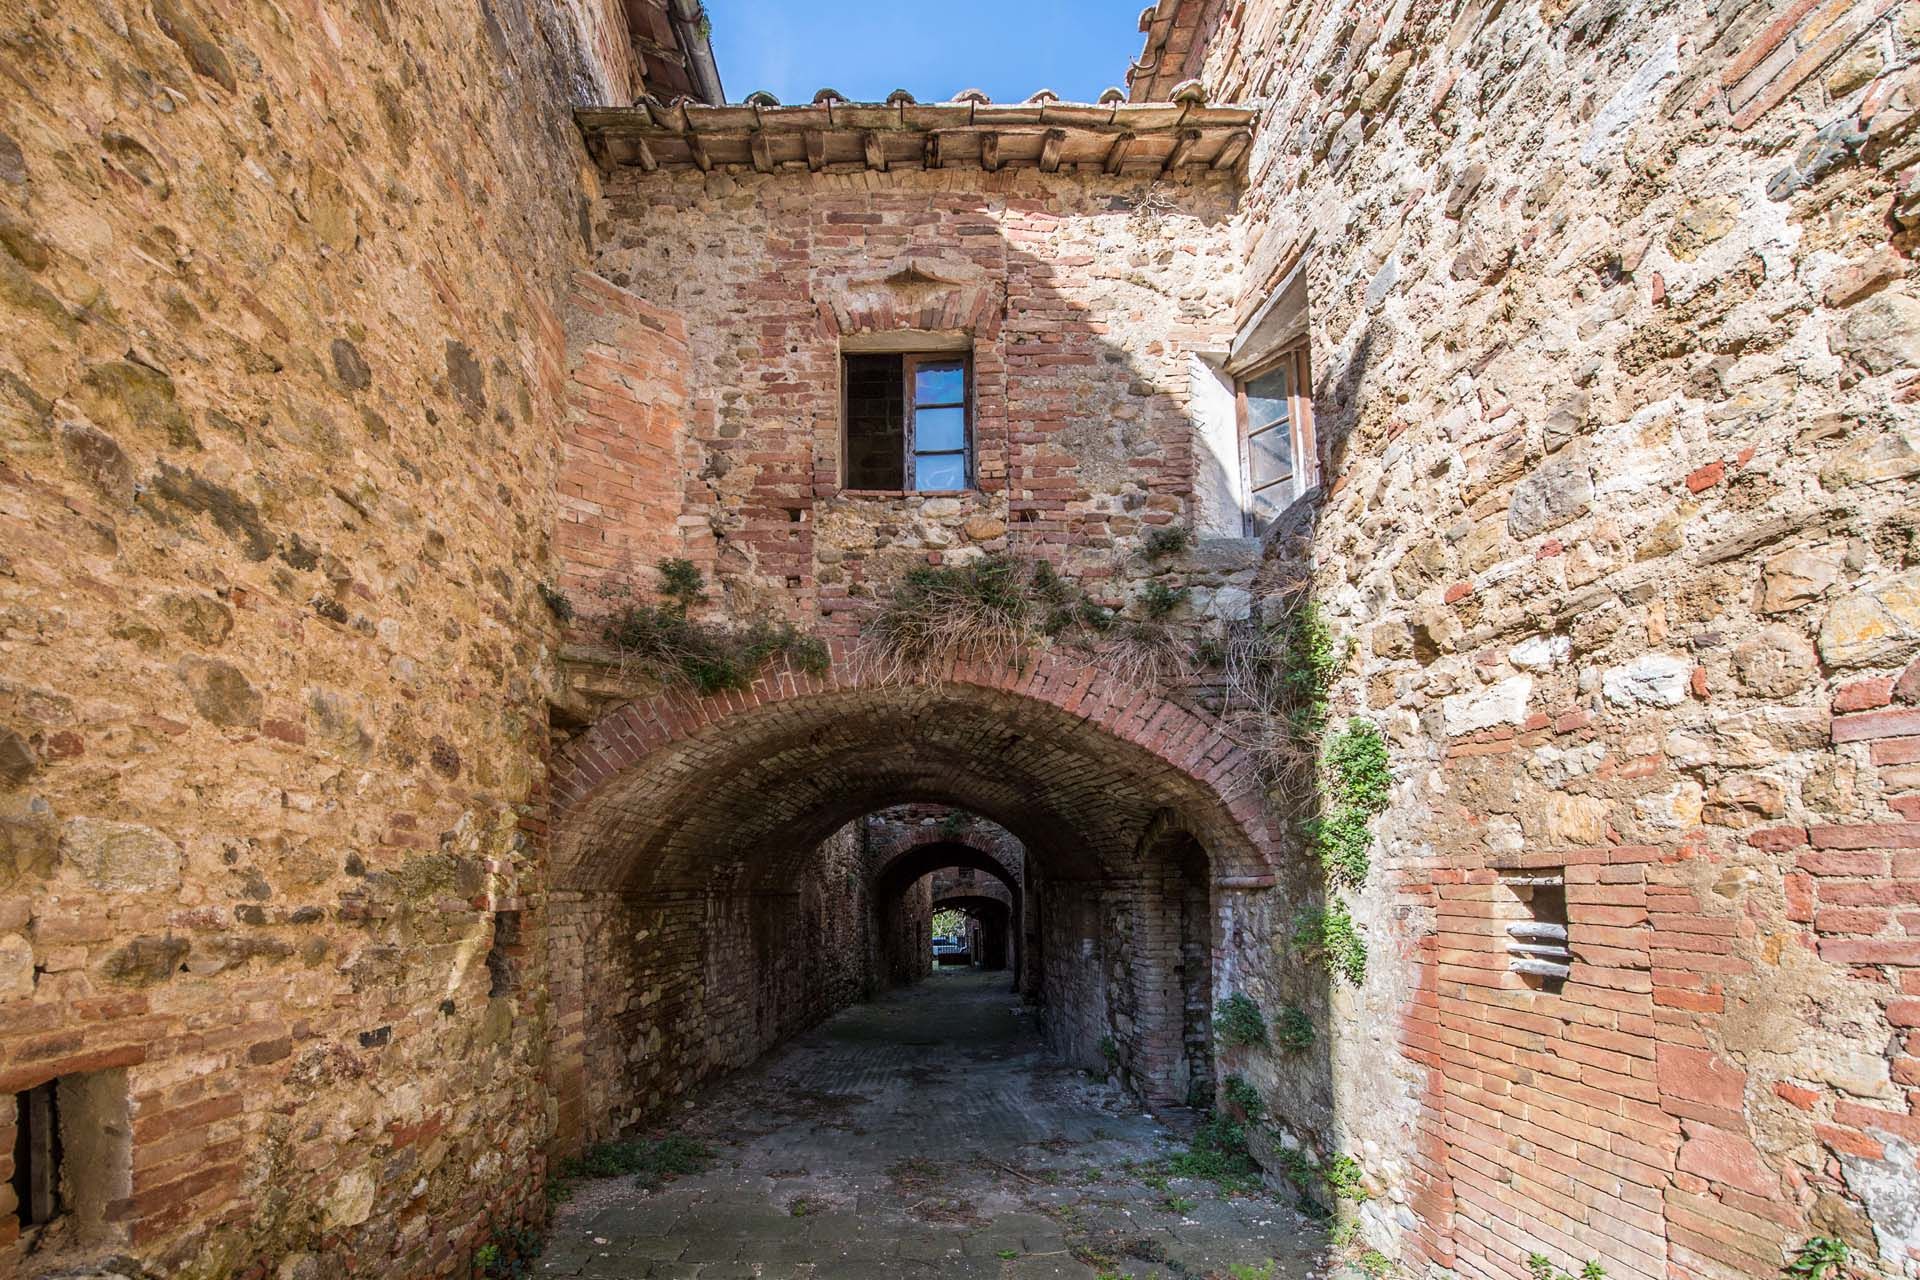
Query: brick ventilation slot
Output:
(1537,946)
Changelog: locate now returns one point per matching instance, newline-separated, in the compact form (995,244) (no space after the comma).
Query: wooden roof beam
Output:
(762,151)
(1182,152)
(1117,153)
(697,148)
(990,151)
(816,149)
(1232,149)
(1050,150)
(876,154)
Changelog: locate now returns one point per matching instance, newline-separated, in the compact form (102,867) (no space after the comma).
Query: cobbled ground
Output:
(925,1134)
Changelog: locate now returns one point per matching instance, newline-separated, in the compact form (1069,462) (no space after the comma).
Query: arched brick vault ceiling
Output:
(909,865)
(959,844)
(675,791)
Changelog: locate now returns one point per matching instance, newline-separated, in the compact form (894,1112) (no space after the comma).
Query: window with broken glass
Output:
(909,422)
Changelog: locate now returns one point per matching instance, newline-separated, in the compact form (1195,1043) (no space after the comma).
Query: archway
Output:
(694,863)
(995,945)
(904,868)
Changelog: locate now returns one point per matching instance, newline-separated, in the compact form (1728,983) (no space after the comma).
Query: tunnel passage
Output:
(905,959)
(991,937)
(710,897)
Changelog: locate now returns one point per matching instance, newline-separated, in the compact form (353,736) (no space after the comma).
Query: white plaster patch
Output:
(1503,703)
(1632,98)
(1655,680)
(1540,653)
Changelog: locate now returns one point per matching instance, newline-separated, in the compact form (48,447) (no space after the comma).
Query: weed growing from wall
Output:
(1344,1176)
(1541,1267)
(1329,933)
(1278,676)
(1166,542)
(998,609)
(1357,783)
(1237,1021)
(1817,1258)
(1244,1096)
(1293,1030)
(676,649)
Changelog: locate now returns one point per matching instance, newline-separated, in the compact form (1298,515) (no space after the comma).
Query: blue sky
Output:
(868,48)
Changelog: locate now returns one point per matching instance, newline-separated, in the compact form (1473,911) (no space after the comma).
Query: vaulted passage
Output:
(728,872)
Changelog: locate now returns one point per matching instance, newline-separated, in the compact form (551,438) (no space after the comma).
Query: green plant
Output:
(1237,1020)
(682,583)
(1293,1029)
(1335,939)
(1158,600)
(1541,1267)
(556,600)
(1006,1255)
(1243,1271)
(652,1161)
(1345,1233)
(1297,1168)
(1818,1258)
(800,1208)
(1167,540)
(1218,1154)
(711,658)
(1376,1263)
(1330,933)
(509,1255)
(1178,1204)
(1278,676)
(1357,786)
(1247,1098)
(1111,1052)
(949,922)
(1344,1176)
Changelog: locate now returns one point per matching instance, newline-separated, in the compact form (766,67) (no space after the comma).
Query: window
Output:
(1276,434)
(909,422)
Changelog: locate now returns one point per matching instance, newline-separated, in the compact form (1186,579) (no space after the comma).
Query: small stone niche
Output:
(1537,942)
(72,1161)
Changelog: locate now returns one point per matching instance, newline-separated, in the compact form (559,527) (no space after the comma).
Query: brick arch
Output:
(677,790)
(922,857)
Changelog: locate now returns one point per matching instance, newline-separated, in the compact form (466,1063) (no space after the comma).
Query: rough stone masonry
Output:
(359,357)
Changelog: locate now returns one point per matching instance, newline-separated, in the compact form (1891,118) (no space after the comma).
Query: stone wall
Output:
(1613,338)
(281,373)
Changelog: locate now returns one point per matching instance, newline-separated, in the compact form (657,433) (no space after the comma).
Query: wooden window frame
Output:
(909,369)
(1294,358)
(910,362)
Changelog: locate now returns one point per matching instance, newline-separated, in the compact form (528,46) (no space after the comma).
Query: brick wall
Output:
(1611,311)
(1078,312)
